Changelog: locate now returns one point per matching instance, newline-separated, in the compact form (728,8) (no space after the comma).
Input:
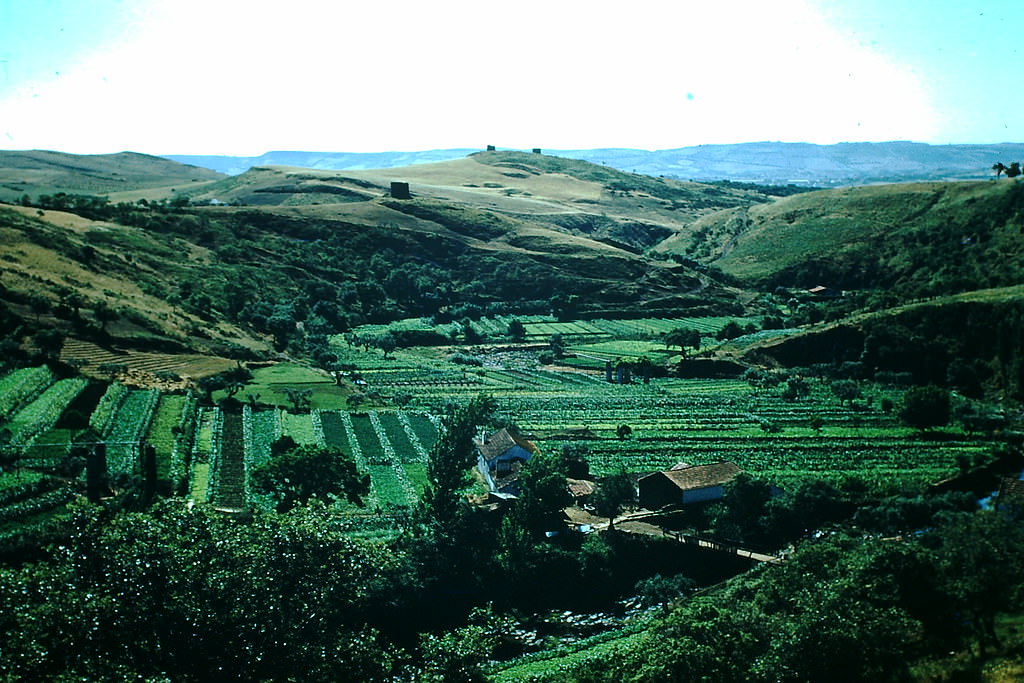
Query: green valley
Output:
(246,425)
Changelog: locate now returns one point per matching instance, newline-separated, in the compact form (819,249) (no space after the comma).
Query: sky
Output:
(243,78)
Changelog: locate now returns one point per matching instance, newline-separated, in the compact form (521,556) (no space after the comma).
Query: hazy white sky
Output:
(227,77)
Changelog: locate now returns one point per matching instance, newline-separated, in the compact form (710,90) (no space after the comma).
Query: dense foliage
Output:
(182,593)
(843,608)
(305,472)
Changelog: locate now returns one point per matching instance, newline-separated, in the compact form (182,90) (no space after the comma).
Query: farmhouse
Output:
(501,451)
(685,484)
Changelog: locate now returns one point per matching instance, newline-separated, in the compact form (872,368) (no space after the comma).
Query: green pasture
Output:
(627,349)
(269,384)
(540,328)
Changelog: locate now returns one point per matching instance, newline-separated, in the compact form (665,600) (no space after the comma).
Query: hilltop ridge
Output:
(773,163)
(36,172)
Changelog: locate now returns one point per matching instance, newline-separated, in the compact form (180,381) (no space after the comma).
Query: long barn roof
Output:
(701,476)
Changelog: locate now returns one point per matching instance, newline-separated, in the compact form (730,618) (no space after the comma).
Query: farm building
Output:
(823,292)
(501,450)
(580,489)
(1010,497)
(684,484)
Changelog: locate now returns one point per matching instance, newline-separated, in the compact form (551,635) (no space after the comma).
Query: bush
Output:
(465,359)
(925,407)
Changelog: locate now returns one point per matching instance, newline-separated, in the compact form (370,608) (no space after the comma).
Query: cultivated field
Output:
(388,422)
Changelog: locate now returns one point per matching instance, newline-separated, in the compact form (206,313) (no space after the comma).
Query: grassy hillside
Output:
(916,239)
(566,195)
(38,172)
(282,257)
(300,254)
(101,280)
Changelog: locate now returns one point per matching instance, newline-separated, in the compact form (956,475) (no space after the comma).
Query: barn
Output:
(686,484)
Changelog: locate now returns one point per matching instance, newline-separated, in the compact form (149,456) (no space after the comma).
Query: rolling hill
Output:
(39,172)
(777,163)
(567,196)
(915,239)
(258,257)
(277,257)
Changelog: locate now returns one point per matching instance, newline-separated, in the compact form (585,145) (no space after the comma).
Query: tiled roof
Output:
(495,444)
(701,476)
(579,487)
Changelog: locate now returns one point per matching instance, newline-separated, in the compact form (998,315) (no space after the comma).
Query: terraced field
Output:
(209,454)
(91,357)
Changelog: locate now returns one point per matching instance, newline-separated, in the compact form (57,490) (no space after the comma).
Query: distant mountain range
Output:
(776,163)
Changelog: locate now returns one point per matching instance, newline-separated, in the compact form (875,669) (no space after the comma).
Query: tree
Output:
(470,335)
(39,305)
(980,560)
(925,407)
(543,492)
(623,432)
(796,388)
(301,398)
(304,472)
(1013,170)
(278,597)
(556,345)
(683,337)
(999,167)
(661,590)
(613,494)
(386,343)
(739,515)
(457,656)
(49,342)
(281,324)
(516,329)
(731,330)
(450,459)
(846,390)
(564,307)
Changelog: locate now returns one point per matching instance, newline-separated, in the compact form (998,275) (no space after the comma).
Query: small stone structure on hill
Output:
(400,190)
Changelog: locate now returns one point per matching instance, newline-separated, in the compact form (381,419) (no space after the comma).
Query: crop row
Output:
(262,430)
(162,434)
(27,490)
(388,448)
(388,488)
(213,425)
(231,473)
(103,416)
(127,428)
(767,454)
(20,386)
(42,413)
(180,459)
(36,504)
